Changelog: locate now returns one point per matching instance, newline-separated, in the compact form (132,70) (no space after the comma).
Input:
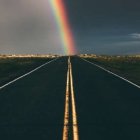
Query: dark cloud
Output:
(104,26)
(99,26)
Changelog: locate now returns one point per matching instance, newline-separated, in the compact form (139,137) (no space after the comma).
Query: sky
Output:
(98,26)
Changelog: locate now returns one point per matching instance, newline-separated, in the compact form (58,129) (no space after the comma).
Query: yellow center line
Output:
(66,115)
(70,90)
(74,115)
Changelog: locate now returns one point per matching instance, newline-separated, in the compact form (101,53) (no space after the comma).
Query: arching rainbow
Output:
(64,26)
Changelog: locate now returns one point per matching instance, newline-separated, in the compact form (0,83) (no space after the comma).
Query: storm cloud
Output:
(98,26)
(105,26)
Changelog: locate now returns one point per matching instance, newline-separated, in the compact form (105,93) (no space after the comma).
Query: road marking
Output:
(66,115)
(70,90)
(74,114)
(112,73)
(9,83)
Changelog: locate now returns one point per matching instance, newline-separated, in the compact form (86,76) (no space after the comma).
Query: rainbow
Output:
(62,21)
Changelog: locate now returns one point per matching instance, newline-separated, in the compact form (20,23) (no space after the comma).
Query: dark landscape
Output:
(69,69)
(33,107)
(126,66)
(11,68)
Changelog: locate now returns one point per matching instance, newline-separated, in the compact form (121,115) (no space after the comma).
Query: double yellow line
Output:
(70,93)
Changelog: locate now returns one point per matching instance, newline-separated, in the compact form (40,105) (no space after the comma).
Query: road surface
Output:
(59,101)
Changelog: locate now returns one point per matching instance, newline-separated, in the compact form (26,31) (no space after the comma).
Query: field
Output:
(125,66)
(10,68)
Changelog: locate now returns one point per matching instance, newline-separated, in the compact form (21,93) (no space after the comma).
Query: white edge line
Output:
(5,85)
(112,73)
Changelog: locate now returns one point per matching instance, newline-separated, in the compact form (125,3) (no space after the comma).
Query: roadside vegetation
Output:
(11,68)
(125,66)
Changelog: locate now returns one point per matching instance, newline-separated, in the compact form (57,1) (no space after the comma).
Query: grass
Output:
(125,66)
(10,68)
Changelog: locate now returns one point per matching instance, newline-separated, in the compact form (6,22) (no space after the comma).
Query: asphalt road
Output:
(108,108)
(33,107)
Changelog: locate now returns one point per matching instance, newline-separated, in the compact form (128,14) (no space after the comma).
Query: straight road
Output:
(79,97)
(108,107)
(32,108)
(70,109)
